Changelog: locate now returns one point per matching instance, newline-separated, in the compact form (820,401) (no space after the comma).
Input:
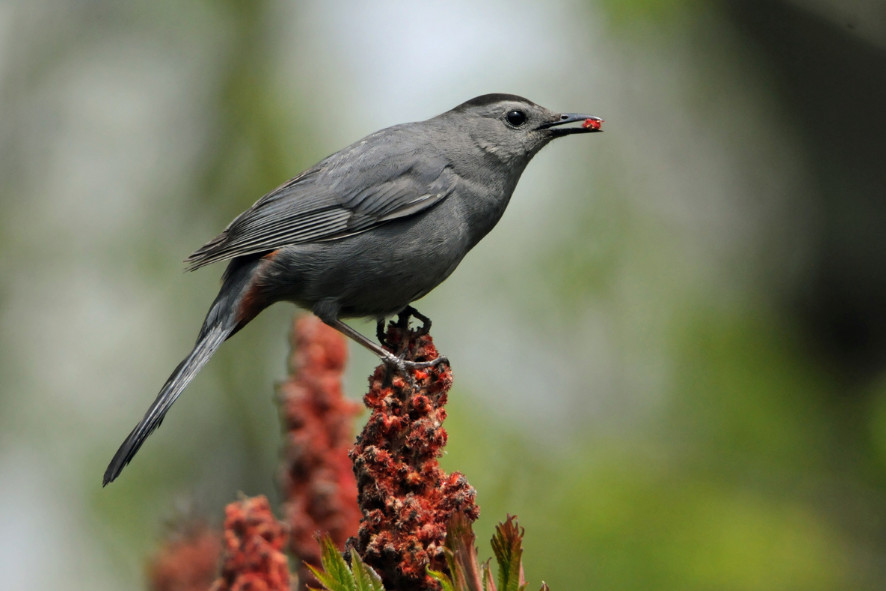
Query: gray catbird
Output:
(369,229)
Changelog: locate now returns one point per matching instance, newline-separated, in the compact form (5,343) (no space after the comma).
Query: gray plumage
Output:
(369,229)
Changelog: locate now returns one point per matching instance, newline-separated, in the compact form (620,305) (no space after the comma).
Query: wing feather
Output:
(352,191)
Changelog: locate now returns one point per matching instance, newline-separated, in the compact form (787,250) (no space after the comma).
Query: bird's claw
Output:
(403,324)
(426,364)
(402,366)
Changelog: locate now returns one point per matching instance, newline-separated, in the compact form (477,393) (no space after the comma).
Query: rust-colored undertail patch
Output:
(255,300)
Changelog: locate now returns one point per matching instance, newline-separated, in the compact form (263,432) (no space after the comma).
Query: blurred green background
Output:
(669,355)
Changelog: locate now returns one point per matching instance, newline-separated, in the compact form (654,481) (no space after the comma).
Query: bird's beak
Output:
(590,124)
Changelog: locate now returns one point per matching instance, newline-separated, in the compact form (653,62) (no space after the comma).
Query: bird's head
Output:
(514,128)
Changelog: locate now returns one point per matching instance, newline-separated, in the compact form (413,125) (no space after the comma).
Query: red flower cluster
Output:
(188,561)
(406,500)
(405,497)
(253,558)
(317,477)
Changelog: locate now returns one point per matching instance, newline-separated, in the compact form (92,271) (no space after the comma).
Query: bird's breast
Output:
(377,272)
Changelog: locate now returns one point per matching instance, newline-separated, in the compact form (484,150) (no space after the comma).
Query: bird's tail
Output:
(225,317)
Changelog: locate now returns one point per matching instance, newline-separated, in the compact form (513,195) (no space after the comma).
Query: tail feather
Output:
(210,340)
(233,308)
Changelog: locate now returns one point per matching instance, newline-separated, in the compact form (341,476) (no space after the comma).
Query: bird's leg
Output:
(380,333)
(386,356)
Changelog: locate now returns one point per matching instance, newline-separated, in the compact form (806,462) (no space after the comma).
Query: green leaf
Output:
(486,573)
(465,574)
(365,578)
(335,576)
(488,583)
(443,579)
(507,544)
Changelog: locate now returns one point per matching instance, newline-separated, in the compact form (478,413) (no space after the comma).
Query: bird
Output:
(368,230)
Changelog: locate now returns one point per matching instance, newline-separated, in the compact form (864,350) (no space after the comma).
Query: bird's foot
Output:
(380,333)
(402,323)
(394,351)
(426,364)
(403,320)
(402,365)
(410,312)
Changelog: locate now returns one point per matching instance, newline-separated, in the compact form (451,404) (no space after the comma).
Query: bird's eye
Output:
(516,118)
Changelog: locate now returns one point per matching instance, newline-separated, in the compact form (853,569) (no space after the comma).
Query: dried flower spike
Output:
(317,478)
(406,499)
(253,555)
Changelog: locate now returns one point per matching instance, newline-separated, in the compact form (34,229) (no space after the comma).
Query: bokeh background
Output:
(669,355)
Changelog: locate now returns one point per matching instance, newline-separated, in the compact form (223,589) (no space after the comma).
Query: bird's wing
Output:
(350,192)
